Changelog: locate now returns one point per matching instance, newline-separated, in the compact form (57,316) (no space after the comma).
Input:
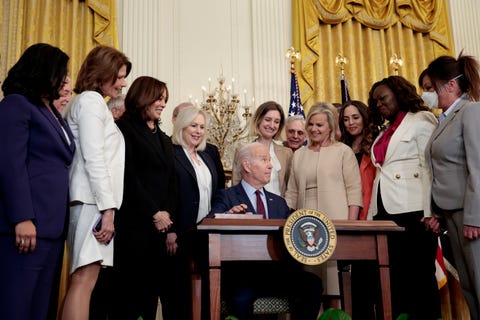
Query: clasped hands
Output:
(162,221)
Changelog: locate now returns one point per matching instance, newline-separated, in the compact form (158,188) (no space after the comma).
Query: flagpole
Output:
(296,107)
(341,61)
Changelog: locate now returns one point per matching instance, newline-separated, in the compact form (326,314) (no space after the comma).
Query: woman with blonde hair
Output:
(197,182)
(325,176)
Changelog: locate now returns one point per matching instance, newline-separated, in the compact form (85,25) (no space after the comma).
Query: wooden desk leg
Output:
(384,268)
(346,289)
(214,264)
(215,301)
(196,296)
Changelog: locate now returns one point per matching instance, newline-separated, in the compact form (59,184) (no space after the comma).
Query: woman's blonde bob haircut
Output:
(184,119)
(332,118)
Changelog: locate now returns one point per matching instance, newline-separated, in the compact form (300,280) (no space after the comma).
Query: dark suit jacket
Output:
(34,162)
(227,198)
(212,151)
(149,187)
(187,189)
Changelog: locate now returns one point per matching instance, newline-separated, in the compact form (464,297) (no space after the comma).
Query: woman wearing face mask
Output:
(401,193)
(428,95)
(454,152)
(266,125)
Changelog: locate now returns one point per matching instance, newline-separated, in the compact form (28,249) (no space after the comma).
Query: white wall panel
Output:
(465,26)
(184,43)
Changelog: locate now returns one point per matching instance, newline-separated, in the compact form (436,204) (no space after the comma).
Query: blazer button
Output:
(397,176)
(416,174)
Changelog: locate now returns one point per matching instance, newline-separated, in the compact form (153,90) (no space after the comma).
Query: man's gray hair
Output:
(118,102)
(293,118)
(245,153)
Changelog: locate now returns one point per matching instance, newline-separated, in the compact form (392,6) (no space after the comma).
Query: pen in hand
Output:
(239,209)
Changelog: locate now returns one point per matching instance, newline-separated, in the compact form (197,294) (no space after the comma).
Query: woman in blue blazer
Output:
(36,151)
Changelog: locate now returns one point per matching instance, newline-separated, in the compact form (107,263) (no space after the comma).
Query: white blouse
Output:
(274,185)
(204,182)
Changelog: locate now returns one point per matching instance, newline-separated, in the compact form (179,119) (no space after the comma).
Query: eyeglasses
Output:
(441,89)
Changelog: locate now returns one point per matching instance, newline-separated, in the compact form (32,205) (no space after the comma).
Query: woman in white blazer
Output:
(401,193)
(96,174)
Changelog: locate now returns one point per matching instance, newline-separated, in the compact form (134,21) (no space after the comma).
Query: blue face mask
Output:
(431,99)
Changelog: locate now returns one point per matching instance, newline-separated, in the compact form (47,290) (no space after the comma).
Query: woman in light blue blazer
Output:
(401,193)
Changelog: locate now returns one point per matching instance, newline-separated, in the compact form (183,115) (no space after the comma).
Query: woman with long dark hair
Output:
(357,133)
(148,207)
(37,150)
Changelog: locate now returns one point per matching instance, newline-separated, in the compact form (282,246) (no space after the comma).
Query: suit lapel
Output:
(398,135)
(56,126)
(448,119)
(271,204)
(183,160)
(242,197)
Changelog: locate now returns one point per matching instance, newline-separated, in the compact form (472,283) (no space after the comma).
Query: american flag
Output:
(296,106)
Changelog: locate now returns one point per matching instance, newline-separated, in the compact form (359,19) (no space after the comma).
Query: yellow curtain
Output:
(368,33)
(72,25)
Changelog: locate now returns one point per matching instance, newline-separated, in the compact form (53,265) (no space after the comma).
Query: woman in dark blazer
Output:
(148,202)
(36,151)
(197,182)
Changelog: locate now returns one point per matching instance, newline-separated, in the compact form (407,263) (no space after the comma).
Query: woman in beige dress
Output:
(325,176)
(266,126)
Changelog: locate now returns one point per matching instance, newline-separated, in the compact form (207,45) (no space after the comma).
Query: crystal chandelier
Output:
(228,119)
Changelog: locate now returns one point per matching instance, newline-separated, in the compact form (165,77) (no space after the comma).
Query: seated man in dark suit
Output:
(243,282)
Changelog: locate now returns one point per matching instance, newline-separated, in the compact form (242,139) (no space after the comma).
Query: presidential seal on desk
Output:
(309,236)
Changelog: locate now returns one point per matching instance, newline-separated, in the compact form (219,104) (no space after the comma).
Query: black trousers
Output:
(412,266)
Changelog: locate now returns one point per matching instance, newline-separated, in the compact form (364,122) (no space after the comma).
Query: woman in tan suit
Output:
(267,125)
(325,176)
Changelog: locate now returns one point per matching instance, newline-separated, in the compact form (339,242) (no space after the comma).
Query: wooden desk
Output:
(261,240)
